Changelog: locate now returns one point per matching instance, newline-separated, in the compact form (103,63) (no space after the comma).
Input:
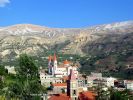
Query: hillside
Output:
(108,45)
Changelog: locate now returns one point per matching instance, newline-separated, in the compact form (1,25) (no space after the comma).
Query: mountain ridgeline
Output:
(104,48)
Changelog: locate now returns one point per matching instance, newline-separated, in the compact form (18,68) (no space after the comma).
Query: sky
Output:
(65,13)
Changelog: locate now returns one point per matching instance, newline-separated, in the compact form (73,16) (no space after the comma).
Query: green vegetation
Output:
(60,46)
(121,95)
(110,55)
(105,93)
(24,84)
(111,64)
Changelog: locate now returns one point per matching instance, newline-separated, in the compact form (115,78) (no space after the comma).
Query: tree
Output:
(28,77)
(14,90)
(3,71)
(101,93)
(121,95)
(24,84)
(27,67)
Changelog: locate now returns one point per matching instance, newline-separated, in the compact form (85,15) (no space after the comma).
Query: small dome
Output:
(66,62)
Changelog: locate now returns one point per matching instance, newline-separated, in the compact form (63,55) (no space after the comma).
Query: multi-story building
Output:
(60,70)
(73,92)
(128,84)
(56,72)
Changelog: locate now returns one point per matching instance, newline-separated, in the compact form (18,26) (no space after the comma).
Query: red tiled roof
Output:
(66,62)
(59,97)
(59,84)
(87,95)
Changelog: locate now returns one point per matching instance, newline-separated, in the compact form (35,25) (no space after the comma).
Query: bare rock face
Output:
(34,39)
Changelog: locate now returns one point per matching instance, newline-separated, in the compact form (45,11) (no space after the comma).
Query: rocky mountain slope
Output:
(92,41)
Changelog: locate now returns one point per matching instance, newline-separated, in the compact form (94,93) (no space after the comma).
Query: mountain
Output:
(48,37)
(100,42)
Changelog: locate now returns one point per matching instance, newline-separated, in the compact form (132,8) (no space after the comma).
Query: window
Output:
(74,92)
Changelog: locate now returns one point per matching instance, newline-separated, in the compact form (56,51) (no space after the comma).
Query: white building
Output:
(110,81)
(128,84)
(11,69)
(56,72)
(60,70)
(96,78)
(47,79)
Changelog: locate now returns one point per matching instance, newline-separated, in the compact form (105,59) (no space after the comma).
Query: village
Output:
(65,82)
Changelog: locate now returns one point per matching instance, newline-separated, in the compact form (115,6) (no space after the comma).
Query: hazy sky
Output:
(65,13)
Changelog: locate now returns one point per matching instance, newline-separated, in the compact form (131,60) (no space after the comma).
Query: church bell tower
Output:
(72,86)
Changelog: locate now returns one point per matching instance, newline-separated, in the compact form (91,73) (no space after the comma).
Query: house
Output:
(110,81)
(65,81)
(59,88)
(47,79)
(128,84)
(11,69)
(56,73)
(93,76)
(73,91)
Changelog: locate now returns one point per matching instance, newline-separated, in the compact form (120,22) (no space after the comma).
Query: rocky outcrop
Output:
(34,39)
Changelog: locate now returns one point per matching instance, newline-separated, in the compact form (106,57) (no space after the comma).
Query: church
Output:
(56,72)
(64,76)
(60,70)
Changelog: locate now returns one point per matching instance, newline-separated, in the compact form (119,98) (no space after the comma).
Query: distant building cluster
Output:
(64,82)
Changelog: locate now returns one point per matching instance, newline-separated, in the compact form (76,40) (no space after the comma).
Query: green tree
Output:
(24,84)
(3,71)
(27,67)
(14,90)
(28,77)
(121,95)
(101,93)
